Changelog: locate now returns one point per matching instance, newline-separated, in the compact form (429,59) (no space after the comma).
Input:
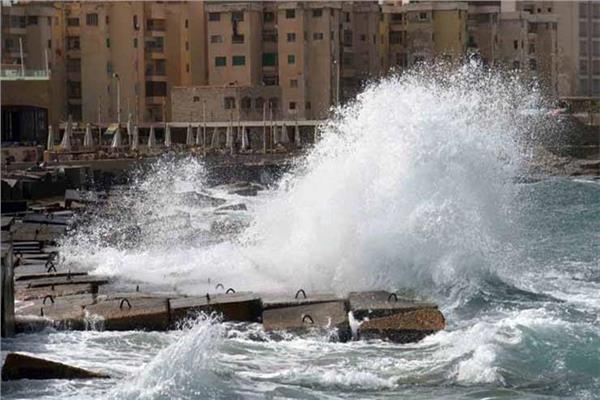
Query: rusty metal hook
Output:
(220,285)
(48,296)
(307,316)
(123,300)
(51,267)
(230,290)
(300,291)
(41,311)
(394,296)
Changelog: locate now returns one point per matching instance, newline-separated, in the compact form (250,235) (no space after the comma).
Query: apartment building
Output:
(301,57)
(579,48)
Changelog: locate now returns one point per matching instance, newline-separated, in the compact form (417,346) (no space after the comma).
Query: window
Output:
(229,103)
(91,19)
(516,44)
(74,90)
(259,103)
(73,65)
(214,16)
(583,48)
(596,48)
(216,39)
(274,103)
(533,64)
(136,26)
(187,24)
(291,59)
(237,39)
(49,43)
(17,22)
(246,103)
(107,42)
(596,67)
(187,45)
(531,48)
(32,20)
(347,59)
(293,83)
(292,105)
(109,68)
(156,89)
(583,67)
(318,36)
(347,38)
(395,37)
(291,37)
(290,14)
(268,16)
(72,21)
(72,42)
(307,105)
(107,20)
(135,43)
(237,16)
(269,59)
(187,67)
(396,17)
(220,61)
(196,99)
(317,13)
(347,16)
(49,21)
(363,38)
(596,86)
(423,16)
(239,60)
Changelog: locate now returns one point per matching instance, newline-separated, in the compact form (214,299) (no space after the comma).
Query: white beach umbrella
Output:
(214,142)
(135,138)
(50,144)
(297,137)
(116,142)
(168,136)
(151,138)
(88,139)
(284,135)
(129,127)
(189,140)
(65,144)
(245,141)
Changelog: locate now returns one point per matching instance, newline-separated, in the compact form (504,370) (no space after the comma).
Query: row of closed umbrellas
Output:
(280,135)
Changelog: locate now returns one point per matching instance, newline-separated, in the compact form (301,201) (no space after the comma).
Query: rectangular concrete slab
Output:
(280,300)
(66,312)
(56,291)
(243,306)
(74,280)
(24,276)
(405,327)
(381,303)
(327,315)
(134,313)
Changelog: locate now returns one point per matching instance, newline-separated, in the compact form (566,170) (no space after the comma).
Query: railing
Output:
(16,73)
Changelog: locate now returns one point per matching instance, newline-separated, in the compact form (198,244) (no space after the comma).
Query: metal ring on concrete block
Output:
(51,267)
(48,296)
(219,285)
(306,316)
(394,296)
(230,290)
(123,300)
(300,291)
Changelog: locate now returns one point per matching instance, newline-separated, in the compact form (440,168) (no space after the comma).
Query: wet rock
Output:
(245,307)
(300,318)
(195,199)
(22,366)
(248,191)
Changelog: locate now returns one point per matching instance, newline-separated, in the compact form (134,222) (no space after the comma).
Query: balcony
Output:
(14,72)
(156,25)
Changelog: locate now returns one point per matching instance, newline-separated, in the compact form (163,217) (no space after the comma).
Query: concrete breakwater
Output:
(51,294)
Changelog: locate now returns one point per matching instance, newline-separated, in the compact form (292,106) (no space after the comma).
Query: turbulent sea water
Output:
(416,187)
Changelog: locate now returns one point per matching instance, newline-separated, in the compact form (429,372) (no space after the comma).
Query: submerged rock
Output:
(23,366)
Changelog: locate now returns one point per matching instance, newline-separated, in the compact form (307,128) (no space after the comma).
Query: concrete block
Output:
(64,312)
(29,276)
(62,280)
(23,293)
(300,318)
(133,313)
(300,298)
(387,316)
(241,306)
(22,366)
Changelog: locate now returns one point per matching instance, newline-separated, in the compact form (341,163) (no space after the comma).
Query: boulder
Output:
(22,366)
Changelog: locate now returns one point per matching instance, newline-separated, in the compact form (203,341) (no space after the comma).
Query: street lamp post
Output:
(116,76)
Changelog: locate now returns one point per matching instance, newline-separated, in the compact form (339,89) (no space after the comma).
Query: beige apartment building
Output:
(300,57)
